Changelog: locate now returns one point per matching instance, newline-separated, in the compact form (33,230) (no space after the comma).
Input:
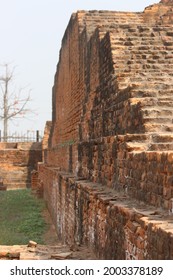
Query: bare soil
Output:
(80,252)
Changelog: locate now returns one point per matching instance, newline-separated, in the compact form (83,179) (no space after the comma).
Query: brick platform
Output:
(112,127)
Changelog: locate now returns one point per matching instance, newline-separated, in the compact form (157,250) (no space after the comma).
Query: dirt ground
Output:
(78,252)
(51,250)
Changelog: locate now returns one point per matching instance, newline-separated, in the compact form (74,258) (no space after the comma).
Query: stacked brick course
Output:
(107,174)
(17,160)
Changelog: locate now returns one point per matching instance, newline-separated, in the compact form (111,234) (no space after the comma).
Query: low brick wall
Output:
(17,161)
(115,226)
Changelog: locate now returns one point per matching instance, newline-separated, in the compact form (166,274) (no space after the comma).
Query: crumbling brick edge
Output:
(111,224)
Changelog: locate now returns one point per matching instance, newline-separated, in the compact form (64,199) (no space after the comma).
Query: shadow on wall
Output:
(34,156)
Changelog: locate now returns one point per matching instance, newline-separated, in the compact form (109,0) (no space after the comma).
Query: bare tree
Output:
(12,104)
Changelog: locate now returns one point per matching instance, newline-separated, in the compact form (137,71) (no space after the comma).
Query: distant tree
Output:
(13,103)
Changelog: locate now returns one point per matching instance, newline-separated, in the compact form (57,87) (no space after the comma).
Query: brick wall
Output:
(113,163)
(110,224)
(17,160)
(107,174)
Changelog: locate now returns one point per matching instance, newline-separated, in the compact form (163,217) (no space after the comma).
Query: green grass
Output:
(21,218)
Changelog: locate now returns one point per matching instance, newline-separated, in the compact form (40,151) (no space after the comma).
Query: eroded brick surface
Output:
(108,165)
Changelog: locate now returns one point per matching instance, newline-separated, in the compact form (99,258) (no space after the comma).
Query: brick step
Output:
(137,142)
(150,43)
(141,61)
(161,147)
(154,66)
(19,172)
(152,93)
(148,146)
(12,186)
(162,138)
(155,112)
(136,146)
(149,142)
(14,180)
(145,28)
(162,55)
(11,183)
(140,147)
(137,137)
(163,89)
(144,85)
(138,42)
(142,49)
(12,175)
(114,15)
(149,137)
(149,73)
(154,46)
(159,128)
(148,102)
(143,76)
(160,120)
(141,79)
(120,19)
(165,93)
(151,66)
(156,51)
(109,23)
(162,28)
(165,103)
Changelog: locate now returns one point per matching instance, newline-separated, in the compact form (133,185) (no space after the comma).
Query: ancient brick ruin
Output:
(108,169)
(17,161)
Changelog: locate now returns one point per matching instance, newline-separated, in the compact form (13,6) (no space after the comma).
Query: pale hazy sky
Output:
(30,38)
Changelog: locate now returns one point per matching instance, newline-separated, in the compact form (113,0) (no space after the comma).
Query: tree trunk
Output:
(6,107)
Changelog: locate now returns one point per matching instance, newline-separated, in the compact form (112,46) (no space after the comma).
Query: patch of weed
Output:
(21,217)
